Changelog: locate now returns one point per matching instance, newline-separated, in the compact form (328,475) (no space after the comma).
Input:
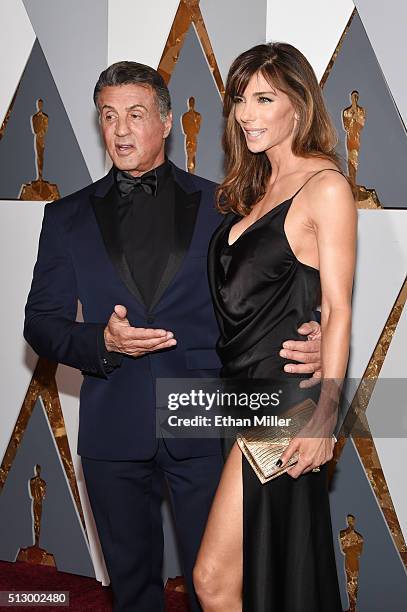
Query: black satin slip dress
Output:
(262,293)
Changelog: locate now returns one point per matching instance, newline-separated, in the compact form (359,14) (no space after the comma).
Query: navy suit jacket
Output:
(80,258)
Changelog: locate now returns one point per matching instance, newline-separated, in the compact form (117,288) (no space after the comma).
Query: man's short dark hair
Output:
(125,73)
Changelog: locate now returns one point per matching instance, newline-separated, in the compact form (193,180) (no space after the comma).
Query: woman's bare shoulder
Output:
(323,177)
(328,194)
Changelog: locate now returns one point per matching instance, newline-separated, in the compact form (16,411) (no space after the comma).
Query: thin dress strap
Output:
(318,171)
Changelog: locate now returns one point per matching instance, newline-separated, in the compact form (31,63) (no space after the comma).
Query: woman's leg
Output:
(218,572)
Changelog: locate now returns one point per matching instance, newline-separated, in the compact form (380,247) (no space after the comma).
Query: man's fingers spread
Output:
(157,347)
(148,345)
(305,346)
(157,342)
(307,328)
(310,382)
(301,368)
(299,356)
(141,333)
(145,345)
(147,333)
(167,344)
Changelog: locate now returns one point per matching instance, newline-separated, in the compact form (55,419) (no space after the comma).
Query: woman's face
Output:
(265,115)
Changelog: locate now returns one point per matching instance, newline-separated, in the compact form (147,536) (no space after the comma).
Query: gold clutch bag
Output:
(262,446)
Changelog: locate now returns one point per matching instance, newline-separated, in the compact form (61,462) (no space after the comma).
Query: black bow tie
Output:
(126,183)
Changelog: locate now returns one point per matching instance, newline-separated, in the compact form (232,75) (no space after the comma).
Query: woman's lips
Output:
(254,134)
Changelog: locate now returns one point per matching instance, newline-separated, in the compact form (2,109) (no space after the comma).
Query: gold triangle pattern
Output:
(43,385)
(8,113)
(188,13)
(365,444)
(331,62)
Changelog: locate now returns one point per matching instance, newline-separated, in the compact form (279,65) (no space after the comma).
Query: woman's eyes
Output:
(260,99)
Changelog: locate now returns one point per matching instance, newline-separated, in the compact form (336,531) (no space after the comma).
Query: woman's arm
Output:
(333,216)
(334,219)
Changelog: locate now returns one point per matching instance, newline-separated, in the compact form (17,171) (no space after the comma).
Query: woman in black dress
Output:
(286,246)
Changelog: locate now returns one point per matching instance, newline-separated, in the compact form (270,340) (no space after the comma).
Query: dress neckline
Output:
(254,222)
(254,226)
(275,207)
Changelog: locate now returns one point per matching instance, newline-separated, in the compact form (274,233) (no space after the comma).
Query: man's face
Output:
(132,128)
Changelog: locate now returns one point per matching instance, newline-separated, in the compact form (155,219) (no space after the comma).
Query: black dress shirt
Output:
(146,226)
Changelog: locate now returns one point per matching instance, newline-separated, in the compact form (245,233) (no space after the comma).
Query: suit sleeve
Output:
(50,325)
(317,316)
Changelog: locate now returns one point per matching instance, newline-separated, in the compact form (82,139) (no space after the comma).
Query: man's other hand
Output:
(121,337)
(306,352)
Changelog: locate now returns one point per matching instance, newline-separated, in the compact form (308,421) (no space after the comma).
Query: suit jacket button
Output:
(150,319)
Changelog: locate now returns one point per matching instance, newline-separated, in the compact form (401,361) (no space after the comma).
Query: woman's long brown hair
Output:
(287,70)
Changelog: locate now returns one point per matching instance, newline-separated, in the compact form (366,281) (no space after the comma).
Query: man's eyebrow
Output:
(127,109)
(136,106)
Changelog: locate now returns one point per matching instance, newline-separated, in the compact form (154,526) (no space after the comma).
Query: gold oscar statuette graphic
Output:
(365,445)
(39,189)
(354,118)
(191,124)
(35,554)
(352,545)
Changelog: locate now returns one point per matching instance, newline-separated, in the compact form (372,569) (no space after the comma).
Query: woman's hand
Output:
(313,452)
(314,443)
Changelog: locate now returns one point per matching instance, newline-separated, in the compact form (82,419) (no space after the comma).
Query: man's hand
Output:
(307,353)
(121,337)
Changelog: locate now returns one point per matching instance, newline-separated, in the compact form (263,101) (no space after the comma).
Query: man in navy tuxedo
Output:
(132,248)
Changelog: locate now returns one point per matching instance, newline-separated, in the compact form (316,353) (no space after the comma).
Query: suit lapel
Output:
(106,216)
(186,206)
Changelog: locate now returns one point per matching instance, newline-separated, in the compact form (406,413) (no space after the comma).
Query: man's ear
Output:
(167,124)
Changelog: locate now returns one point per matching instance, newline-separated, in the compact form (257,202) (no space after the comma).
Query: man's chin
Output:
(127,165)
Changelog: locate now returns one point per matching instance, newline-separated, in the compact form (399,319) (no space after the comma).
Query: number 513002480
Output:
(34,598)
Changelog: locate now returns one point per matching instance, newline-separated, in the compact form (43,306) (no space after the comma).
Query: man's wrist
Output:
(110,358)
(110,347)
